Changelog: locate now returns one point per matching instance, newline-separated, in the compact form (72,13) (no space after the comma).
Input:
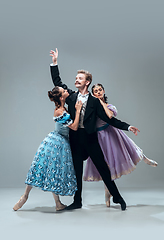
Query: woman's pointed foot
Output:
(108,203)
(151,162)
(60,207)
(20,203)
(107,197)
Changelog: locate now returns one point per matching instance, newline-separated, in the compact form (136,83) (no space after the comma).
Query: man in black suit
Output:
(84,141)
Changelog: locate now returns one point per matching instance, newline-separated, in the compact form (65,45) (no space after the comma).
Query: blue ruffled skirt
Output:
(52,168)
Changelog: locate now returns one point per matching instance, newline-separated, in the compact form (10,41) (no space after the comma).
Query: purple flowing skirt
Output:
(120,152)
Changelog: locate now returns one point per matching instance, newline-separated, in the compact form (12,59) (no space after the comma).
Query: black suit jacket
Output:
(94,108)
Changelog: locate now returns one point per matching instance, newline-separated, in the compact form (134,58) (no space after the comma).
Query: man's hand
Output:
(54,56)
(134,130)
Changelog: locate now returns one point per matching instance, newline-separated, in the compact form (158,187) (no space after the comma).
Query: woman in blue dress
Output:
(52,167)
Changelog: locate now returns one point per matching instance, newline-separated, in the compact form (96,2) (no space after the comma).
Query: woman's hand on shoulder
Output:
(102,103)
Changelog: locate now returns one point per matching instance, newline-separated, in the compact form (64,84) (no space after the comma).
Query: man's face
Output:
(80,81)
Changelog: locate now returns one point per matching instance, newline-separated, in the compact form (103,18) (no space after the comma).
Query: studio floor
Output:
(37,219)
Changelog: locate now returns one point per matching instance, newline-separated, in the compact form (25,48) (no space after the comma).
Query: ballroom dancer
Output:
(84,141)
(52,167)
(120,152)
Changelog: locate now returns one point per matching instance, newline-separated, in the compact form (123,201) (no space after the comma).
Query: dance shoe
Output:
(20,203)
(150,162)
(107,198)
(108,202)
(122,203)
(73,206)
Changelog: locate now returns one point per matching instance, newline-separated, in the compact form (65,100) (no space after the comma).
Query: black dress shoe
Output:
(73,206)
(123,204)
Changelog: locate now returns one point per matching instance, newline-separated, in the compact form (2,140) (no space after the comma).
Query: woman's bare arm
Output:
(75,124)
(108,112)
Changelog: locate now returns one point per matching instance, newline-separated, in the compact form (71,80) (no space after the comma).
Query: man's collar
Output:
(81,95)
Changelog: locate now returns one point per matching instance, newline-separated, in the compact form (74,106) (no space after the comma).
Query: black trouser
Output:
(84,145)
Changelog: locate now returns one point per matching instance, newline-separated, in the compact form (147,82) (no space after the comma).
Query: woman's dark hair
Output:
(100,85)
(54,95)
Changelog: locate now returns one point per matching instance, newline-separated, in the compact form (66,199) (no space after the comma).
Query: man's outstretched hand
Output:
(134,130)
(54,55)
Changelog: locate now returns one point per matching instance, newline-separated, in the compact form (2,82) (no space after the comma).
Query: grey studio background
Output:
(119,42)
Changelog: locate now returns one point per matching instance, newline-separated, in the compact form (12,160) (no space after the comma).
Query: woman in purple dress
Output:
(120,152)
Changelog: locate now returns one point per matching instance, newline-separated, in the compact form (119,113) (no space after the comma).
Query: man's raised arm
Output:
(55,72)
(54,56)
